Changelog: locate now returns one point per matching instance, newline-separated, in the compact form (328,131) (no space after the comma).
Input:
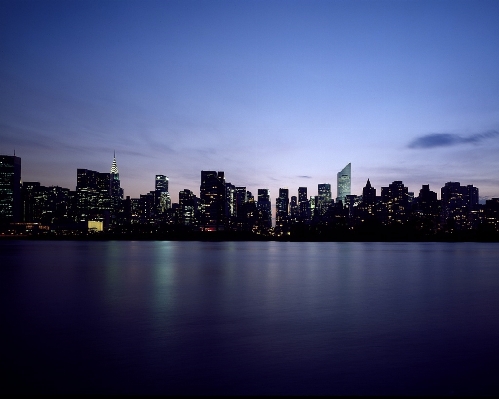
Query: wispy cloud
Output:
(305,177)
(447,139)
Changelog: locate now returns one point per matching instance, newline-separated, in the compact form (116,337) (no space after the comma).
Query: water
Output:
(249,317)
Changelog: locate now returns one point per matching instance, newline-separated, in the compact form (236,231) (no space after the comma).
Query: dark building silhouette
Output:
(294,210)
(264,211)
(303,203)
(213,196)
(324,195)
(239,209)
(282,212)
(146,208)
(93,192)
(426,203)
(492,214)
(32,201)
(368,195)
(395,199)
(10,189)
(250,214)
(459,203)
(46,205)
(426,211)
(188,208)
(351,203)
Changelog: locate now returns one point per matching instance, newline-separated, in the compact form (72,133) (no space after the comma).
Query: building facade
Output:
(344,183)
(161,194)
(10,189)
(214,210)
(282,212)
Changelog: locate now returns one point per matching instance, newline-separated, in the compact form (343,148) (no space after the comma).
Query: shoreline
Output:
(220,237)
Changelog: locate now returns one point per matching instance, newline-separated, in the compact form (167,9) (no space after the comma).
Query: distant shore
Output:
(241,236)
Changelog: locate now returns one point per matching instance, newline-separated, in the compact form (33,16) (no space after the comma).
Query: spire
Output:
(114,166)
(368,183)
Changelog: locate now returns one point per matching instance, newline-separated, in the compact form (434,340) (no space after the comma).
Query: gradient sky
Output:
(275,93)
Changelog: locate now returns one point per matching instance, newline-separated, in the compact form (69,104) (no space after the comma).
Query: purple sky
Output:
(274,93)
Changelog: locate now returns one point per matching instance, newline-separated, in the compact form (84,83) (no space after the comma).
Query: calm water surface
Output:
(250,317)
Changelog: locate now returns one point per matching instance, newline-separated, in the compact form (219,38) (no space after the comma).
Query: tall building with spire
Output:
(344,183)
(116,190)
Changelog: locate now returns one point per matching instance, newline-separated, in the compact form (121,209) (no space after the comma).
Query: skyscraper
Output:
(264,210)
(324,191)
(187,208)
(161,183)
(458,202)
(10,189)
(116,191)
(366,207)
(240,199)
(93,191)
(344,183)
(161,194)
(395,198)
(282,212)
(303,203)
(213,200)
(369,195)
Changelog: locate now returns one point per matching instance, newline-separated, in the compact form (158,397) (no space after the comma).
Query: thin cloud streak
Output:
(447,139)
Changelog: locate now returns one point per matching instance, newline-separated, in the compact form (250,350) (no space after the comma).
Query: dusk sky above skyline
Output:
(274,93)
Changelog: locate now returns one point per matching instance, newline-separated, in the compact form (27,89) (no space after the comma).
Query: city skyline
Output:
(98,205)
(160,183)
(286,92)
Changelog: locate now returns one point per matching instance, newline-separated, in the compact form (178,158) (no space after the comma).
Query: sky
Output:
(274,93)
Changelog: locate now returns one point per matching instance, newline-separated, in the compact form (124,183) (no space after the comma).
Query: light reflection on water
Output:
(251,317)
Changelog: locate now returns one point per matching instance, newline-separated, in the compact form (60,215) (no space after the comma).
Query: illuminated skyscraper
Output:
(344,180)
(114,168)
(116,190)
(324,191)
(161,183)
(10,189)
(161,194)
